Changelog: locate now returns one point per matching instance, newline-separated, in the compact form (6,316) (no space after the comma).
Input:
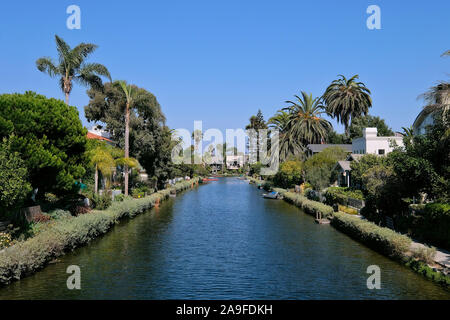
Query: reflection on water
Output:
(223,241)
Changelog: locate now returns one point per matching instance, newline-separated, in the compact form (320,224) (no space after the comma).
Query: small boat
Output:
(210,179)
(273,195)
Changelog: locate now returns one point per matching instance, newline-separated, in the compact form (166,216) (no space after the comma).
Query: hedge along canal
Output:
(383,240)
(60,237)
(223,241)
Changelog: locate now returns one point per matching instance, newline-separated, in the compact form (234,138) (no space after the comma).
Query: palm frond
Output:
(46,65)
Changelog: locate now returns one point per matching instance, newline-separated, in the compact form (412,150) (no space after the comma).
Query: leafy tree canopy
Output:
(14,185)
(49,136)
(319,168)
(150,139)
(359,123)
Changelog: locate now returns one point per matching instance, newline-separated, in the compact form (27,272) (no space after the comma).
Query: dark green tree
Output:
(368,121)
(318,169)
(257,123)
(148,136)
(14,185)
(50,138)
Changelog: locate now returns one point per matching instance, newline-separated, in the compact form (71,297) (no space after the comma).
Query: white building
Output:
(235,162)
(371,143)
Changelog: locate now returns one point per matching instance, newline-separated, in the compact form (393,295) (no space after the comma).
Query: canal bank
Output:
(60,237)
(383,240)
(223,241)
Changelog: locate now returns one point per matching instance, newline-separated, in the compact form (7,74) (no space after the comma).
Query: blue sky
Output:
(219,61)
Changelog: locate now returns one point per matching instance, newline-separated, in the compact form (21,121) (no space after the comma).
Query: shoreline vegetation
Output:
(383,240)
(63,236)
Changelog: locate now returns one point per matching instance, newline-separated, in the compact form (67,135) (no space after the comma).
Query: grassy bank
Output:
(62,236)
(387,242)
(383,240)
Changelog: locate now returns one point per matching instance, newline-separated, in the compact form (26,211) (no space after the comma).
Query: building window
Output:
(381,152)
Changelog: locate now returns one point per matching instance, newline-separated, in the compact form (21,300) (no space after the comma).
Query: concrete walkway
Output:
(442,257)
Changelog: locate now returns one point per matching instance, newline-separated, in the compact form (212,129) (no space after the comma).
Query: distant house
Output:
(343,168)
(235,162)
(369,143)
(312,149)
(96,133)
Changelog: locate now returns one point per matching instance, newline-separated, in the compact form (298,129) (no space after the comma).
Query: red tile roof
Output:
(93,136)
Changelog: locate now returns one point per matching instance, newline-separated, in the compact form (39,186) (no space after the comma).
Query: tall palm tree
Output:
(287,144)
(305,124)
(72,67)
(346,99)
(279,121)
(130,97)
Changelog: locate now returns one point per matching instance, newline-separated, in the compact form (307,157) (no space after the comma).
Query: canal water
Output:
(223,241)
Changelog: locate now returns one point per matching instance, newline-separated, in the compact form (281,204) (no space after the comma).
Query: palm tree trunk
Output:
(127,144)
(96,179)
(67,87)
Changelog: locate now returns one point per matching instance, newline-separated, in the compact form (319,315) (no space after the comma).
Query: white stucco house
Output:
(369,143)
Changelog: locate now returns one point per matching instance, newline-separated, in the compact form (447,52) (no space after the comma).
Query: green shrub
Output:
(424,254)
(5,240)
(119,197)
(267,185)
(431,224)
(101,202)
(311,195)
(423,269)
(383,240)
(60,214)
(347,210)
(308,206)
(289,174)
(338,195)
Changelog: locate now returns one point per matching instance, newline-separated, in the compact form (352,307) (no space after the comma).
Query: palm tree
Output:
(346,99)
(437,99)
(72,67)
(279,121)
(408,132)
(197,135)
(101,158)
(131,96)
(287,144)
(305,125)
